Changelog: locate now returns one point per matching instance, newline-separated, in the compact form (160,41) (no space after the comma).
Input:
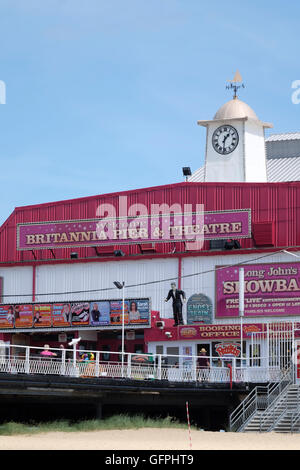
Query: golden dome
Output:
(235,109)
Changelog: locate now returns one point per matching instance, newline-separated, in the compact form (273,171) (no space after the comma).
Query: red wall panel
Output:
(279,202)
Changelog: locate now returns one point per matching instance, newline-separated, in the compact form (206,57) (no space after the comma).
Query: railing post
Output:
(27,359)
(97,364)
(234,369)
(63,362)
(129,365)
(159,367)
(194,374)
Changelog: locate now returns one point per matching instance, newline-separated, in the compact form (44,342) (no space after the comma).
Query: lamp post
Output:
(120,285)
(241,305)
(74,343)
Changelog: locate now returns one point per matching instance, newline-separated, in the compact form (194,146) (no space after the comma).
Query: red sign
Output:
(228,349)
(218,331)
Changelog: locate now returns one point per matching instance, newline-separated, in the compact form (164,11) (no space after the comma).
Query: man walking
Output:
(176,295)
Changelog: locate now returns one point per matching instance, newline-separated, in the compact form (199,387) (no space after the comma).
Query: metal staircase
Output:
(275,407)
(277,417)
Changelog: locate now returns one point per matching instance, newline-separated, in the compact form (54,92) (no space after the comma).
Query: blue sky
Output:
(104,95)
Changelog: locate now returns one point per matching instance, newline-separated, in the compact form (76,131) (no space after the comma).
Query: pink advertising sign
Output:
(143,229)
(270,290)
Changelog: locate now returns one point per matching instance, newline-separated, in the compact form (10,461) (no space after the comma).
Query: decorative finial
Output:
(234,84)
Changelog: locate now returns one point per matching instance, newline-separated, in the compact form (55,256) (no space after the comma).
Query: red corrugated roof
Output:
(278,202)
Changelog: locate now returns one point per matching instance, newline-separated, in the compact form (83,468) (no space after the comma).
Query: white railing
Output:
(260,398)
(173,368)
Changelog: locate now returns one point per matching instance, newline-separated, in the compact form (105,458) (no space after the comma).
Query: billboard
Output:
(271,290)
(80,312)
(6,316)
(42,315)
(100,313)
(23,315)
(97,313)
(61,314)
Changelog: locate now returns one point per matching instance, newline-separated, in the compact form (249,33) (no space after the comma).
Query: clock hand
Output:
(224,140)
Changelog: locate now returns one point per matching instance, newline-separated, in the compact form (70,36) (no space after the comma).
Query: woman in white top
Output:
(134,314)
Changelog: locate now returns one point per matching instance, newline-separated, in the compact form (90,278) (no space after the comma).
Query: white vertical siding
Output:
(17,282)
(54,280)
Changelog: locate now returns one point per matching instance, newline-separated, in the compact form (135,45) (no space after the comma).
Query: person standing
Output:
(178,297)
(203,366)
(203,360)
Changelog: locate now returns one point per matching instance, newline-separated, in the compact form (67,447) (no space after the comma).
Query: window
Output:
(172,360)
(254,350)
(139,348)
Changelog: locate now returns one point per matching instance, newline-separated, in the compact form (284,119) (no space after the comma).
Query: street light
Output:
(120,285)
(289,253)
(186,172)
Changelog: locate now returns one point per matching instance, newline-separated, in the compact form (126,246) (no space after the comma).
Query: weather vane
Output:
(235,84)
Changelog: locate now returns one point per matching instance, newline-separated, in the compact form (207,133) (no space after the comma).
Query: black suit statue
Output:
(176,295)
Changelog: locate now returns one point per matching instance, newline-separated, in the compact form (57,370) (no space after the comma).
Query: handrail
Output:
(276,401)
(241,409)
(241,413)
(278,404)
(295,418)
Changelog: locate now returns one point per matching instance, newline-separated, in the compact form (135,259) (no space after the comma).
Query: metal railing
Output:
(295,420)
(259,399)
(279,408)
(174,368)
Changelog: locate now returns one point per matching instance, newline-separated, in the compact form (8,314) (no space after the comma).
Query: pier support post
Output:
(99,411)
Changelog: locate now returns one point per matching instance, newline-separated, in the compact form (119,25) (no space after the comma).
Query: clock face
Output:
(225,139)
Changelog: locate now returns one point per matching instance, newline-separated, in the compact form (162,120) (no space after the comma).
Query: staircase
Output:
(279,416)
(275,407)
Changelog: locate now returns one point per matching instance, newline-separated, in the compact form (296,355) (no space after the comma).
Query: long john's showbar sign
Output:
(167,227)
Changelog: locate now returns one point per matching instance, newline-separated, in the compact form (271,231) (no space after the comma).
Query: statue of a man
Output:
(177,296)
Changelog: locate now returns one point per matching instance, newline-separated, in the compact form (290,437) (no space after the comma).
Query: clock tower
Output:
(235,142)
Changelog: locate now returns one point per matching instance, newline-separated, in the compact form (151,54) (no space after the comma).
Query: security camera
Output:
(74,341)
(160,325)
(168,334)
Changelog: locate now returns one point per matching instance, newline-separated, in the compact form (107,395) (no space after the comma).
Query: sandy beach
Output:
(150,439)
